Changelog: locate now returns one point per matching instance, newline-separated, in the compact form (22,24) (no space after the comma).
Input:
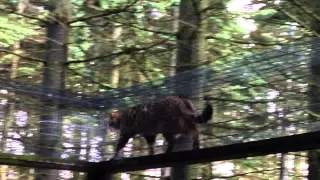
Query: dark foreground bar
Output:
(301,142)
(44,163)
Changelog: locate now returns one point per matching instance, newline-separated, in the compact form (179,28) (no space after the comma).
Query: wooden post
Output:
(181,171)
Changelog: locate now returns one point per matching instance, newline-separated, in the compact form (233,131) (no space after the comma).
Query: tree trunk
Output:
(190,48)
(80,127)
(115,73)
(191,44)
(282,175)
(283,157)
(314,165)
(129,79)
(16,46)
(53,77)
(3,113)
(102,132)
(175,27)
(181,171)
(89,137)
(314,95)
(14,72)
(314,98)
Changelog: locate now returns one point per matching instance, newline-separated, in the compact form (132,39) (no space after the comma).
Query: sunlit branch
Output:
(275,22)
(247,42)
(305,25)
(208,62)
(21,56)
(300,6)
(129,25)
(138,67)
(24,15)
(89,78)
(211,7)
(145,29)
(126,51)
(107,13)
(242,101)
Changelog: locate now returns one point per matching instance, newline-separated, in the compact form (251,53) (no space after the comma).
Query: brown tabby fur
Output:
(168,116)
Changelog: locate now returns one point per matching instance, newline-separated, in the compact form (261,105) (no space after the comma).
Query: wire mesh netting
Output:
(255,97)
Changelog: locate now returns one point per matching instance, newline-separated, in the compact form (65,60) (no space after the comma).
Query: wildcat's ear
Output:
(114,115)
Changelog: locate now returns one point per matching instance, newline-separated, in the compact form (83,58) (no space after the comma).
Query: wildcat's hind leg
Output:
(170,140)
(151,139)
(195,138)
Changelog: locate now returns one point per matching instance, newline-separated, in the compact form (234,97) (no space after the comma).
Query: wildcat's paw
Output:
(113,157)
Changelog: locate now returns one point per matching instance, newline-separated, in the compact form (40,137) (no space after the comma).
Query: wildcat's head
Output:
(114,120)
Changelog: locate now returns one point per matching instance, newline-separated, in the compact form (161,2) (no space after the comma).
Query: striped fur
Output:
(168,116)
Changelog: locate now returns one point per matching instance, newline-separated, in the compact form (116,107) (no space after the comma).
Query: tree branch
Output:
(241,101)
(212,7)
(248,42)
(90,79)
(107,13)
(304,9)
(23,15)
(21,56)
(125,51)
(145,29)
(302,23)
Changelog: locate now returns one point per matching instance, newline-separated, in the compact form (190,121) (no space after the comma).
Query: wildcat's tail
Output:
(206,114)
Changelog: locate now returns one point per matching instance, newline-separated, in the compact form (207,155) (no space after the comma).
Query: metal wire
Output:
(84,135)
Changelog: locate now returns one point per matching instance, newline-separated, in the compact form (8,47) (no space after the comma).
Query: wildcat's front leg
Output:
(114,156)
(123,140)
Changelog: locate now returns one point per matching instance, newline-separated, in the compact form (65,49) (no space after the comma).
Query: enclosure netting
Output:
(254,97)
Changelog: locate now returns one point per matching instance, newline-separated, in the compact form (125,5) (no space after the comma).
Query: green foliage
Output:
(229,43)
(12,30)
(264,13)
(26,70)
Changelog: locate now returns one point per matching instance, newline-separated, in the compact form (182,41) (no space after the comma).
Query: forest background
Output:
(94,47)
